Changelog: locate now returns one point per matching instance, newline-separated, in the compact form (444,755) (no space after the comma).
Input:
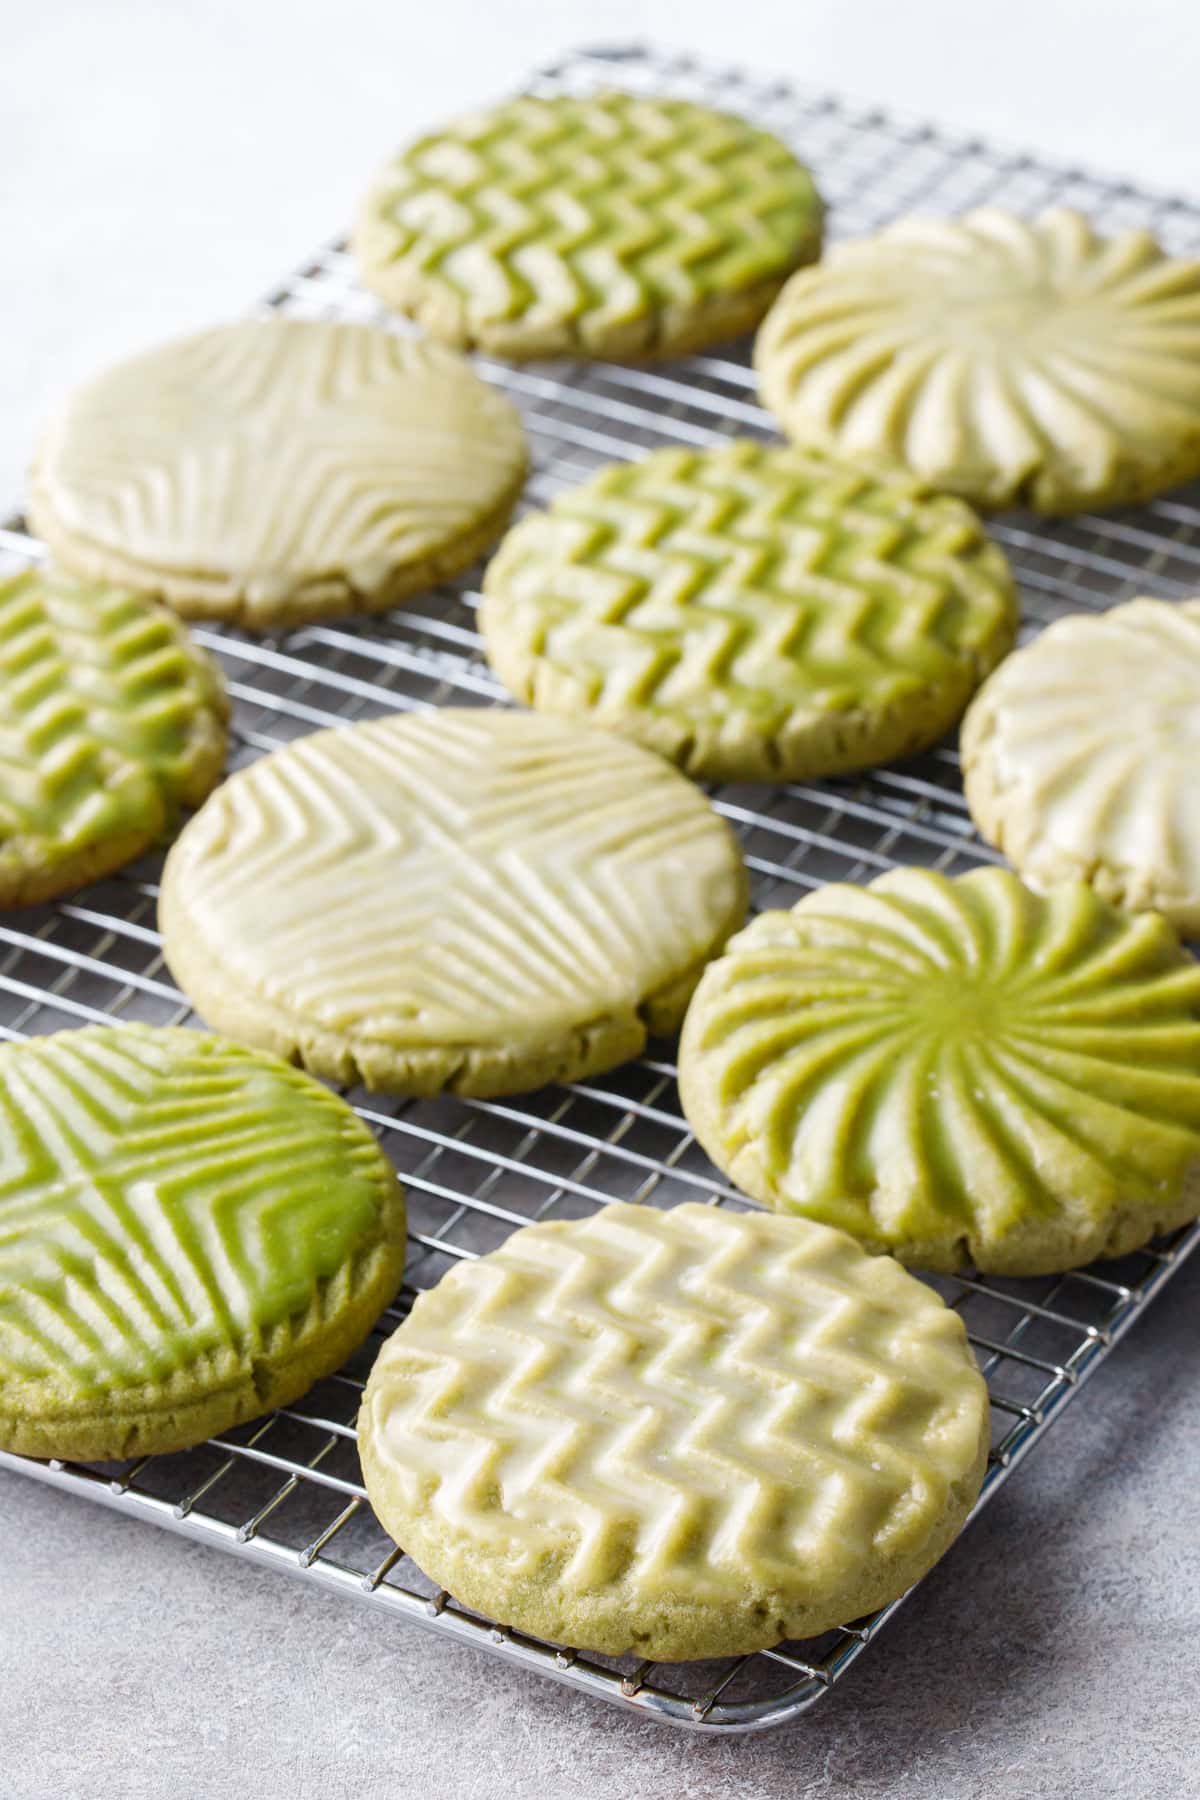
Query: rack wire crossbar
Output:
(286,1491)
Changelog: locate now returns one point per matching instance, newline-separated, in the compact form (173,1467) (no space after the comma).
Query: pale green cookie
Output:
(190,1234)
(273,471)
(610,225)
(464,899)
(1013,361)
(955,1071)
(751,612)
(111,721)
(682,1434)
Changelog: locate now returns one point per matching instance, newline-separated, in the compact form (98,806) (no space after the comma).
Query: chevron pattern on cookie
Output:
(684,1433)
(1081,756)
(1013,361)
(187,1228)
(751,612)
(111,719)
(478,899)
(955,1070)
(610,225)
(275,470)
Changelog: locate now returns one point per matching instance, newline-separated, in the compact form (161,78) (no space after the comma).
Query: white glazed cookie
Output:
(1081,756)
(481,901)
(277,470)
(1012,361)
(685,1434)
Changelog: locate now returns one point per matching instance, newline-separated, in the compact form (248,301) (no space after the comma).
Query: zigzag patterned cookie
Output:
(615,225)
(475,900)
(1014,362)
(751,612)
(955,1071)
(685,1433)
(111,719)
(277,470)
(190,1234)
(1081,756)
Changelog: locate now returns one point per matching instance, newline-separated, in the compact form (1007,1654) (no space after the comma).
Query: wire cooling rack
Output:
(286,1490)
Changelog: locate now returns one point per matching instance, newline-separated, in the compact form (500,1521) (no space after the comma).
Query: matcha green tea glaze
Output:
(190,1233)
(955,1071)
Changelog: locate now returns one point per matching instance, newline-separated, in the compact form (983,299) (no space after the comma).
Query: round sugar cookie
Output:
(480,901)
(190,1234)
(276,470)
(606,225)
(1016,362)
(111,721)
(751,612)
(683,1434)
(1081,757)
(956,1071)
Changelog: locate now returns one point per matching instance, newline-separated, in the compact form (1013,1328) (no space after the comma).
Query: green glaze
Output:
(167,1197)
(955,1070)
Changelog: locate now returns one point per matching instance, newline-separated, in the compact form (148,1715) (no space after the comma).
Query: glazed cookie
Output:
(1081,757)
(682,1434)
(955,1071)
(190,1235)
(751,612)
(480,901)
(1014,362)
(611,225)
(278,470)
(111,721)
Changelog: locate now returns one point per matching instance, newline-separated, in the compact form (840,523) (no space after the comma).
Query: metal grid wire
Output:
(286,1490)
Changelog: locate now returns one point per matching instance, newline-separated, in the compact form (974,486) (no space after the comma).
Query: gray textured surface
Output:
(1055,1653)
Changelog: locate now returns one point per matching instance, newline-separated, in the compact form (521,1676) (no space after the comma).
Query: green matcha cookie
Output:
(1081,756)
(955,1071)
(1013,361)
(751,612)
(682,1434)
(111,720)
(190,1234)
(613,225)
(277,470)
(472,900)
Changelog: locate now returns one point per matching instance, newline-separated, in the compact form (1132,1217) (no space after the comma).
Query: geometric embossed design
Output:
(1081,757)
(684,1433)
(184,1226)
(276,470)
(613,225)
(751,612)
(1014,362)
(955,1071)
(111,719)
(472,899)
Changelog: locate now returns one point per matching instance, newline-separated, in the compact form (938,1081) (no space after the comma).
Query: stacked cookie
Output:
(684,1432)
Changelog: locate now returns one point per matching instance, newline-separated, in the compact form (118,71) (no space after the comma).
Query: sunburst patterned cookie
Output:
(685,1434)
(1013,361)
(1081,756)
(955,1071)
(751,612)
(277,470)
(605,225)
(190,1234)
(480,901)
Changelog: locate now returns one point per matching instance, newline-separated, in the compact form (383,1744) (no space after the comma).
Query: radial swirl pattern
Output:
(609,225)
(190,1233)
(1007,360)
(276,470)
(1081,756)
(955,1071)
(684,1433)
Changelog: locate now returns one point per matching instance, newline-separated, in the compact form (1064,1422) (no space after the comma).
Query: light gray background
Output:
(160,164)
